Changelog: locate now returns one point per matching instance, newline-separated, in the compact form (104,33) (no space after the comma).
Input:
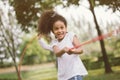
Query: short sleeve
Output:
(53,43)
(71,36)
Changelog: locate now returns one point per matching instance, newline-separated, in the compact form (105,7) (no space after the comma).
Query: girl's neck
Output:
(59,40)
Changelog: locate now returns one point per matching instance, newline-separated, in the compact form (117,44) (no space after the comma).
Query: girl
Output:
(70,66)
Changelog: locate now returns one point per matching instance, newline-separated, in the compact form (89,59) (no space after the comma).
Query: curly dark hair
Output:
(46,21)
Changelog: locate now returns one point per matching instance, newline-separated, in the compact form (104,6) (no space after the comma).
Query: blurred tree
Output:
(104,53)
(28,11)
(10,33)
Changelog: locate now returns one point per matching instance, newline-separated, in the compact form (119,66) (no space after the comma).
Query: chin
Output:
(60,38)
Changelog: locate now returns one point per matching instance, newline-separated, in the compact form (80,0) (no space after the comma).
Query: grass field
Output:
(49,72)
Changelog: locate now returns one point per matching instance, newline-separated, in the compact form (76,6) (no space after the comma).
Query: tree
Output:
(28,11)
(10,33)
(104,53)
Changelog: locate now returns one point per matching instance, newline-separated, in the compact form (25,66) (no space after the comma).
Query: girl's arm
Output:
(76,43)
(44,44)
(59,52)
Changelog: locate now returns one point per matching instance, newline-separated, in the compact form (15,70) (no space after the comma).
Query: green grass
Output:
(100,75)
(50,73)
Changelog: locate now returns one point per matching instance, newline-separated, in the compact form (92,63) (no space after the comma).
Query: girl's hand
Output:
(39,36)
(75,51)
(59,52)
(66,49)
(71,51)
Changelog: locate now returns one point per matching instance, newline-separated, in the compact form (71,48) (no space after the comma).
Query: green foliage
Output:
(93,65)
(114,61)
(117,47)
(70,2)
(35,54)
(113,46)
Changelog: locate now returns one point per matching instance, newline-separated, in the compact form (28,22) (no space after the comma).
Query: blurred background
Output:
(22,57)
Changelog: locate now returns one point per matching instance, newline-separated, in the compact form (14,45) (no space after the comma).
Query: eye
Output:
(62,27)
(55,28)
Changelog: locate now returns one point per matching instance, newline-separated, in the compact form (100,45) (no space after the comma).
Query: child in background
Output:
(70,66)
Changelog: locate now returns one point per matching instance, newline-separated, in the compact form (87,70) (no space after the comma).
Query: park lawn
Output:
(50,73)
(99,74)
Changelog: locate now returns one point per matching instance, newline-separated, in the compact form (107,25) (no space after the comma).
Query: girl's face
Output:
(59,30)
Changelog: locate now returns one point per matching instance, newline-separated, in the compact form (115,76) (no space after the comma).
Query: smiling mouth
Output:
(58,35)
(61,34)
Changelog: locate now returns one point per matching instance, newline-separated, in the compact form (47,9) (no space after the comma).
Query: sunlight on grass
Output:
(41,74)
(50,73)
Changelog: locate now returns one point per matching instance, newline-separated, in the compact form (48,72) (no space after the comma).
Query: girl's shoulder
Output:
(70,34)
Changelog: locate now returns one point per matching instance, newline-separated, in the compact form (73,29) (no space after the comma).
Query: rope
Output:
(98,38)
(23,53)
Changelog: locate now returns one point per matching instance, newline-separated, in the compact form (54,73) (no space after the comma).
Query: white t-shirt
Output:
(68,65)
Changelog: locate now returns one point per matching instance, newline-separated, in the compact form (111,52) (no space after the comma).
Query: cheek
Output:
(65,29)
(54,32)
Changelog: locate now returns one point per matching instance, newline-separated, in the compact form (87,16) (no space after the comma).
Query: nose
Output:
(59,30)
